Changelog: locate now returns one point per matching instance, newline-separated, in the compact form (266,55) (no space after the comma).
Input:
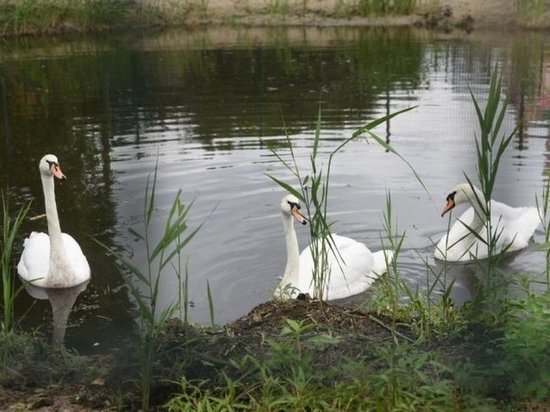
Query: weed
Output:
(531,12)
(278,7)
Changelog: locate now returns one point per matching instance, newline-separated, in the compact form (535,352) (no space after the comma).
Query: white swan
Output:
(352,272)
(54,261)
(512,227)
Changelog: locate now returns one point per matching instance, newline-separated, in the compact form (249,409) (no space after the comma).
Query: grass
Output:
(38,16)
(531,13)
(371,8)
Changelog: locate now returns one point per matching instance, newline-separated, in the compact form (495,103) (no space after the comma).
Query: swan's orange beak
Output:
(298,215)
(450,204)
(56,171)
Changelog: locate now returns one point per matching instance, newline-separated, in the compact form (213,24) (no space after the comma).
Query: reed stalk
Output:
(10,230)
(544,216)
(490,148)
(145,291)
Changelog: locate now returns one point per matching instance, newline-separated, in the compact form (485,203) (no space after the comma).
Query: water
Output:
(209,105)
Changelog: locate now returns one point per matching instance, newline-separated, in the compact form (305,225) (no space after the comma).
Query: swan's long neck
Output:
(476,200)
(58,256)
(292,253)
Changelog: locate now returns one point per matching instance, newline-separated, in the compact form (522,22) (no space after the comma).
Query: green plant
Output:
(10,230)
(210,302)
(531,12)
(490,148)
(409,380)
(200,396)
(146,292)
(278,7)
(526,336)
(544,217)
(100,12)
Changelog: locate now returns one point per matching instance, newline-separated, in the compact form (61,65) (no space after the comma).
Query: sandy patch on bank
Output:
(496,13)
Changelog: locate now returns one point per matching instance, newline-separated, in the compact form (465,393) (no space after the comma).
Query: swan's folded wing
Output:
(381,260)
(515,226)
(79,263)
(35,259)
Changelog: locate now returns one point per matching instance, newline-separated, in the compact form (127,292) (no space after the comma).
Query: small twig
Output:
(33,218)
(390,329)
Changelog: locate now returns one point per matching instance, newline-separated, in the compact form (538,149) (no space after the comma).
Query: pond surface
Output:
(210,104)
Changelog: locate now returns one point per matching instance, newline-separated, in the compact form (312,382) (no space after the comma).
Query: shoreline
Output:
(442,15)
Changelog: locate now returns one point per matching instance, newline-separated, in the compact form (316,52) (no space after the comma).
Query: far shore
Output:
(68,16)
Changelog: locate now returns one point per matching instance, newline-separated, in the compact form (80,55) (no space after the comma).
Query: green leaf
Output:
(287,187)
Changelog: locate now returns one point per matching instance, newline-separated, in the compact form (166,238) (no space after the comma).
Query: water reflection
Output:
(210,103)
(62,301)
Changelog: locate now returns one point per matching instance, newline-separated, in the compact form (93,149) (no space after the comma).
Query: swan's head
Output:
(460,194)
(49,166)
(290,206)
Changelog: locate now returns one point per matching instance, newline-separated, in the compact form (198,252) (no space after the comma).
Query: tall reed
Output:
(544,216)
(175,237)
(10,230)
(490,148)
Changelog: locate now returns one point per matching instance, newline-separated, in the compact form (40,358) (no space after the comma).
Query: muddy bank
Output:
(49,379)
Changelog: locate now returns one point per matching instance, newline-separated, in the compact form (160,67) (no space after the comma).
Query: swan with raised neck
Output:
(350,269)
(511,227)
(54,260)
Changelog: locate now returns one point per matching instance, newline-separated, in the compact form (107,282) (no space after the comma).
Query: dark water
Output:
(211,103)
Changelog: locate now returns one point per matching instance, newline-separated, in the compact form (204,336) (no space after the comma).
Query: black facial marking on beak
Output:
(294,204)
(450,203)
(451,196)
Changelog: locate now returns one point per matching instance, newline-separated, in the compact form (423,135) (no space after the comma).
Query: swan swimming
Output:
(354,271)
(52,260)
(512,227)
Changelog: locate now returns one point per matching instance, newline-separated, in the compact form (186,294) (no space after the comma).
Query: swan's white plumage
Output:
(351,270)
(52,260)
(34,264)
(357,271)
(512,227)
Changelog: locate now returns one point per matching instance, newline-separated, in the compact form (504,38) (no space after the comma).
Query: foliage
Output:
(526,336)
(36,16)
(367,8)
(531,13)
(544,216)
(385,7)
(146,290)
(10,230)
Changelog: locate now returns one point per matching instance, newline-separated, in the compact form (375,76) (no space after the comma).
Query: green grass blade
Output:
(287,187)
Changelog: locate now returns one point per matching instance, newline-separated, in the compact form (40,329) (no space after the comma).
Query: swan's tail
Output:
(382,259)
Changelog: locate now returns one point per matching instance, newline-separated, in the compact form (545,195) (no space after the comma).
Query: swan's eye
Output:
(50,163)
(294,205)
(451,196)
